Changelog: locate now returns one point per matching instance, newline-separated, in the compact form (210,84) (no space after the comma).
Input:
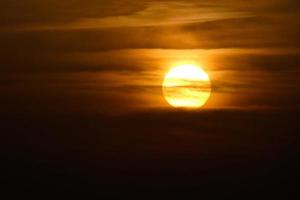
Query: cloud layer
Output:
(250,50)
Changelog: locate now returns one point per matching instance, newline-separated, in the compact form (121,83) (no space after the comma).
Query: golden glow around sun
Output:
(187,86)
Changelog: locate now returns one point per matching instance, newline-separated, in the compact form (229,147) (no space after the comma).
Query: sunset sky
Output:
(81,85)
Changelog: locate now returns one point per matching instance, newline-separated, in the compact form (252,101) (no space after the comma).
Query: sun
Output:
(187,86)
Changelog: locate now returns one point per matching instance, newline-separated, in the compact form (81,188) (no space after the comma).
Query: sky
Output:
(82,80)
(75,49)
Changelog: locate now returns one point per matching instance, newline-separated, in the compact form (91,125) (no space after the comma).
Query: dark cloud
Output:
(275,62)
(15,12)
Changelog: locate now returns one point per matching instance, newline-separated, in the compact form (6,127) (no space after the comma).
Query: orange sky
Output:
(123,49)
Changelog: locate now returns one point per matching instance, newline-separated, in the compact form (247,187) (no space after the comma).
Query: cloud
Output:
(244,47)
(154,14)
(18,13)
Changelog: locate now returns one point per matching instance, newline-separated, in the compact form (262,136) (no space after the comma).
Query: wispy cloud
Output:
(154,14)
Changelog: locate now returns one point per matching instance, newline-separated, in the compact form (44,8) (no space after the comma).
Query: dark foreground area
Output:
(210,154)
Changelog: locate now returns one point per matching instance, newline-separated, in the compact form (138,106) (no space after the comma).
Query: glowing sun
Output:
(186,86)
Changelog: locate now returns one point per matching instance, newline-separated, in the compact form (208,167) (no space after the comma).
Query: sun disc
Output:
(187,86)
